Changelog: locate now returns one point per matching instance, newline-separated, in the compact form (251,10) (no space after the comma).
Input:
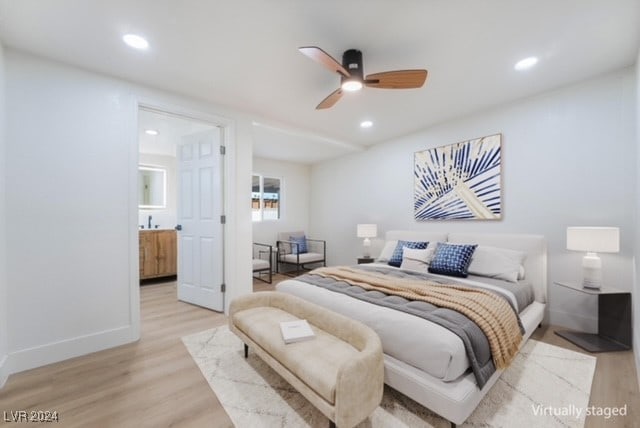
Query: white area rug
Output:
(545,386)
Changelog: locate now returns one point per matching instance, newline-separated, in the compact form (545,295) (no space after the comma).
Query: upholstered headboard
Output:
(534,246)
(413,235)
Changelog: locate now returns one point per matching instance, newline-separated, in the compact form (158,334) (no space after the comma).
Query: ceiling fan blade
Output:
(318,55)
(398,79)
(330,100)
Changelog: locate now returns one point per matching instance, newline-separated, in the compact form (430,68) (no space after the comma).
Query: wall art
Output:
(459,181)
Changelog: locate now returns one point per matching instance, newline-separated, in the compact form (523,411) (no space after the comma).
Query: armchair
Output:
(294,248)
(262,259)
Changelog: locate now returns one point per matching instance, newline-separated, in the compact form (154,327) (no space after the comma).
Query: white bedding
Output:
(405,337)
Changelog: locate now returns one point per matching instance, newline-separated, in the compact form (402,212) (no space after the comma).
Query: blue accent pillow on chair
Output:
(301,248)
(396,257)
(452,259)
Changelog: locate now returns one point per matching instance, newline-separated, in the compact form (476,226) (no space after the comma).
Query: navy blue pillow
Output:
(301,248)
(396,257)
(452,259)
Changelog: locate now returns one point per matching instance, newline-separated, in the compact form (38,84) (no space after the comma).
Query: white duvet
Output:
(413,340)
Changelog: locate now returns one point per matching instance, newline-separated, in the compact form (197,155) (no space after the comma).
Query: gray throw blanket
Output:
(475,342)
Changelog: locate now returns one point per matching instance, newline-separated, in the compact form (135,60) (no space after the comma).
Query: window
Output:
(265,198)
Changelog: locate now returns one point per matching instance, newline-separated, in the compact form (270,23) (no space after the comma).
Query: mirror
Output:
(152,187)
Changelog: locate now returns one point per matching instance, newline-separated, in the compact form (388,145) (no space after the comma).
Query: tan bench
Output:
(340,371)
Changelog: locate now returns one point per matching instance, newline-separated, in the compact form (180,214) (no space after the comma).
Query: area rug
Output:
(545,386)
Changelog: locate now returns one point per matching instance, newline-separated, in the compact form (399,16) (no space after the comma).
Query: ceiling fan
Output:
(351,74)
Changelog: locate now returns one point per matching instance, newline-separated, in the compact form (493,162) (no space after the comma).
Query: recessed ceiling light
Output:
(366,124)
(526,63)
(135,41)
(151,131)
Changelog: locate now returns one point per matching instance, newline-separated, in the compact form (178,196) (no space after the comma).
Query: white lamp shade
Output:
(593,239)
(367,230)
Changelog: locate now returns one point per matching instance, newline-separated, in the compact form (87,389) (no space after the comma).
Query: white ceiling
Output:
(170,130)
(243,54)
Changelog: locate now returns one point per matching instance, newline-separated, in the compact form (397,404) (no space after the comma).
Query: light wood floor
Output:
(155,382)
(151,383)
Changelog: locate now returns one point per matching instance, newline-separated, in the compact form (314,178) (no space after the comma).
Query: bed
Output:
(436,372)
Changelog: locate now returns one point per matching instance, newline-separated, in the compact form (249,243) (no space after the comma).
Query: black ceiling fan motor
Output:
(352,61)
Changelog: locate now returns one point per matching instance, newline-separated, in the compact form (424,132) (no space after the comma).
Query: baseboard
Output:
(54,352)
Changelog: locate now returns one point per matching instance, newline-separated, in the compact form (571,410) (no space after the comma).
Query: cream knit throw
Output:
(490,312)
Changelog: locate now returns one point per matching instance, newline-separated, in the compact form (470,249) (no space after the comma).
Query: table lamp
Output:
(593,240)
(367,231)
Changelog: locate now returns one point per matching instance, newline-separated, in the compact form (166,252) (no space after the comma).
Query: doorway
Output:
(180,204)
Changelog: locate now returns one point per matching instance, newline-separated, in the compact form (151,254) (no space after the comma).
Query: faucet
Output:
(150,221)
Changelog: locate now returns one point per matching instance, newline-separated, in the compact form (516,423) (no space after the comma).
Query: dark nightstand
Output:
(365,260)
(614,320)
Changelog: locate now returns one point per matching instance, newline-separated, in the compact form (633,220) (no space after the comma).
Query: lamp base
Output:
(591,285)
(366,248)
(591,271)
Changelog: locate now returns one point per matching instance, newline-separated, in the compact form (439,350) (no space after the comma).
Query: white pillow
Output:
(387,251)
(500,263)
(423,256)
(417,260)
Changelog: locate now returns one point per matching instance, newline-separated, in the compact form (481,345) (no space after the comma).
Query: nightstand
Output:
(614,320)
(365,260)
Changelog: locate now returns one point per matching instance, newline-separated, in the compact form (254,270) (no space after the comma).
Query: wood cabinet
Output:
(158,253)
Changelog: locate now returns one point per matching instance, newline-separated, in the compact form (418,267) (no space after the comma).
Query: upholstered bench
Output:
(340,371)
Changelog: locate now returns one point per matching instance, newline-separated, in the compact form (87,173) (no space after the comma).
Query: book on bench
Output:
(296,331)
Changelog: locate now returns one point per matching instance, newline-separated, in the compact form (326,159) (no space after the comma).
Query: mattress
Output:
(405,337)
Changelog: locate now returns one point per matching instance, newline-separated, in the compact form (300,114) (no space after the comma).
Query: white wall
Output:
(566,161)
(164,218)
(71,193)
(636,292)
(3,266)
(294,212)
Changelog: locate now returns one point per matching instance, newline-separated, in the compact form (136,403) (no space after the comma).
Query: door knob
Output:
(178,227)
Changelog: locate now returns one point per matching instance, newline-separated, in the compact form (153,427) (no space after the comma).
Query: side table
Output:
(614,320)
(364,260)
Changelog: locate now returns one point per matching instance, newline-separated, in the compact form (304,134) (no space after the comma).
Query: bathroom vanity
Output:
(158,253)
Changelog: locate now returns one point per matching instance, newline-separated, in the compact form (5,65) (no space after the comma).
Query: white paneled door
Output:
(200,234)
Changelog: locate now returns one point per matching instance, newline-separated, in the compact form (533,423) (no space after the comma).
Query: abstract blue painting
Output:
(459,181)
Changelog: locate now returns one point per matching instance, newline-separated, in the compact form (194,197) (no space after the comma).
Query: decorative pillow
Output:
(421,255)
(452,259)
(417,260)
(301,248)
(387,251)
(396,258)
(500,263)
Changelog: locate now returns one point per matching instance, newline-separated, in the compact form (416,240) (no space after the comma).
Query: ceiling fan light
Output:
(135,41)
(351,85)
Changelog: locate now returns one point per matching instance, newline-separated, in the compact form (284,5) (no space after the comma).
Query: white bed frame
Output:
(456,400)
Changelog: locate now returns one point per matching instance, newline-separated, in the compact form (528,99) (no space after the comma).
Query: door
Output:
(200,240)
